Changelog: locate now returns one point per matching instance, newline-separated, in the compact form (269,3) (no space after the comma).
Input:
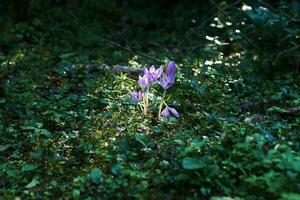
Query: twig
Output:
(159,46)
(186,47)
(289,50)
(109,42)
(170,46)
(216,14)
(281,53)
(249,41)
(276,10)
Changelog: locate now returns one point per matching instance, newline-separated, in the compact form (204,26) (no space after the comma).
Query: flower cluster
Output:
(164,79)
(137,95)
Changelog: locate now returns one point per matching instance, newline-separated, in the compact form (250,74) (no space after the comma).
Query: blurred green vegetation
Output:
(68,129)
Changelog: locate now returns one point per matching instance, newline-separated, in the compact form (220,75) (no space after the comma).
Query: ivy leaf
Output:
(28,128)
(27,168)
(290,196)
(32,184)
(46,133)
(116,169)
(4,148)
(149,163)
(201,90)
(96,175)
(76,193)
(193,163)
(38,154)
(66,56)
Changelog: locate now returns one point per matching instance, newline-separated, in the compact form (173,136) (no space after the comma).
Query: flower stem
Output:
(146,101)
(141,106)
(161,103)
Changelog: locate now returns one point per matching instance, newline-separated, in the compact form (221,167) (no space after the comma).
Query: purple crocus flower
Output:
(171,69)
(137,95)
(167,81)
(145,81)
(169,112)
(155,73)
(169,77)
(150,76)
(146,72)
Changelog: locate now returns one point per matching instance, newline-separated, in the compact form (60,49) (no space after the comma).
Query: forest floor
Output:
(69,129)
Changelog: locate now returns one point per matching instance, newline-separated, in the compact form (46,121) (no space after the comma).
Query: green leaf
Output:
(149,163)
(164,163)
(38,154)
(201,90)
(32,184)
(193,163)
(27,168)
(76,193)
(290,196)
(225,198)
(116,169)
(28,128)
(66,55)
(54,183)
(46,133)
(96,175)
(4,148)
(53,156)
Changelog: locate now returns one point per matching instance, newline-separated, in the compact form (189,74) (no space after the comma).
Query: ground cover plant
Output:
(162,100)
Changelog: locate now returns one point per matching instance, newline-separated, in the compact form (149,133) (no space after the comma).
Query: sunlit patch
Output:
(99,132)
(15,59)
(219,23)
(209,38)
(133,62)
(263,8)
(209,62)
(228,23)
(220,26)
(215,40)
(105,144)
(220,43)
(196,71)
(245,7)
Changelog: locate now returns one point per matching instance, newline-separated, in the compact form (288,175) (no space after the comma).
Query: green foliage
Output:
(69,130)
(96,175)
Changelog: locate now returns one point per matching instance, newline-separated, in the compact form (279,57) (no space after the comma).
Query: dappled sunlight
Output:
(13,60)
(141,100)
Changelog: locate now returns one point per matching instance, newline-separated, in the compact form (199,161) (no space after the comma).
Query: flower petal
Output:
(174,112)
(159,72)
(152,69)
(146,71)
(145,81)
(165,112)
(171,69)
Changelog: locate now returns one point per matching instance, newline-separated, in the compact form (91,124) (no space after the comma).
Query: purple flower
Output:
(144,81)
(137,95)
(150,76)
(169,77)
(146,72)
(169,112)
(171,69)
(155,73)
(167,81)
